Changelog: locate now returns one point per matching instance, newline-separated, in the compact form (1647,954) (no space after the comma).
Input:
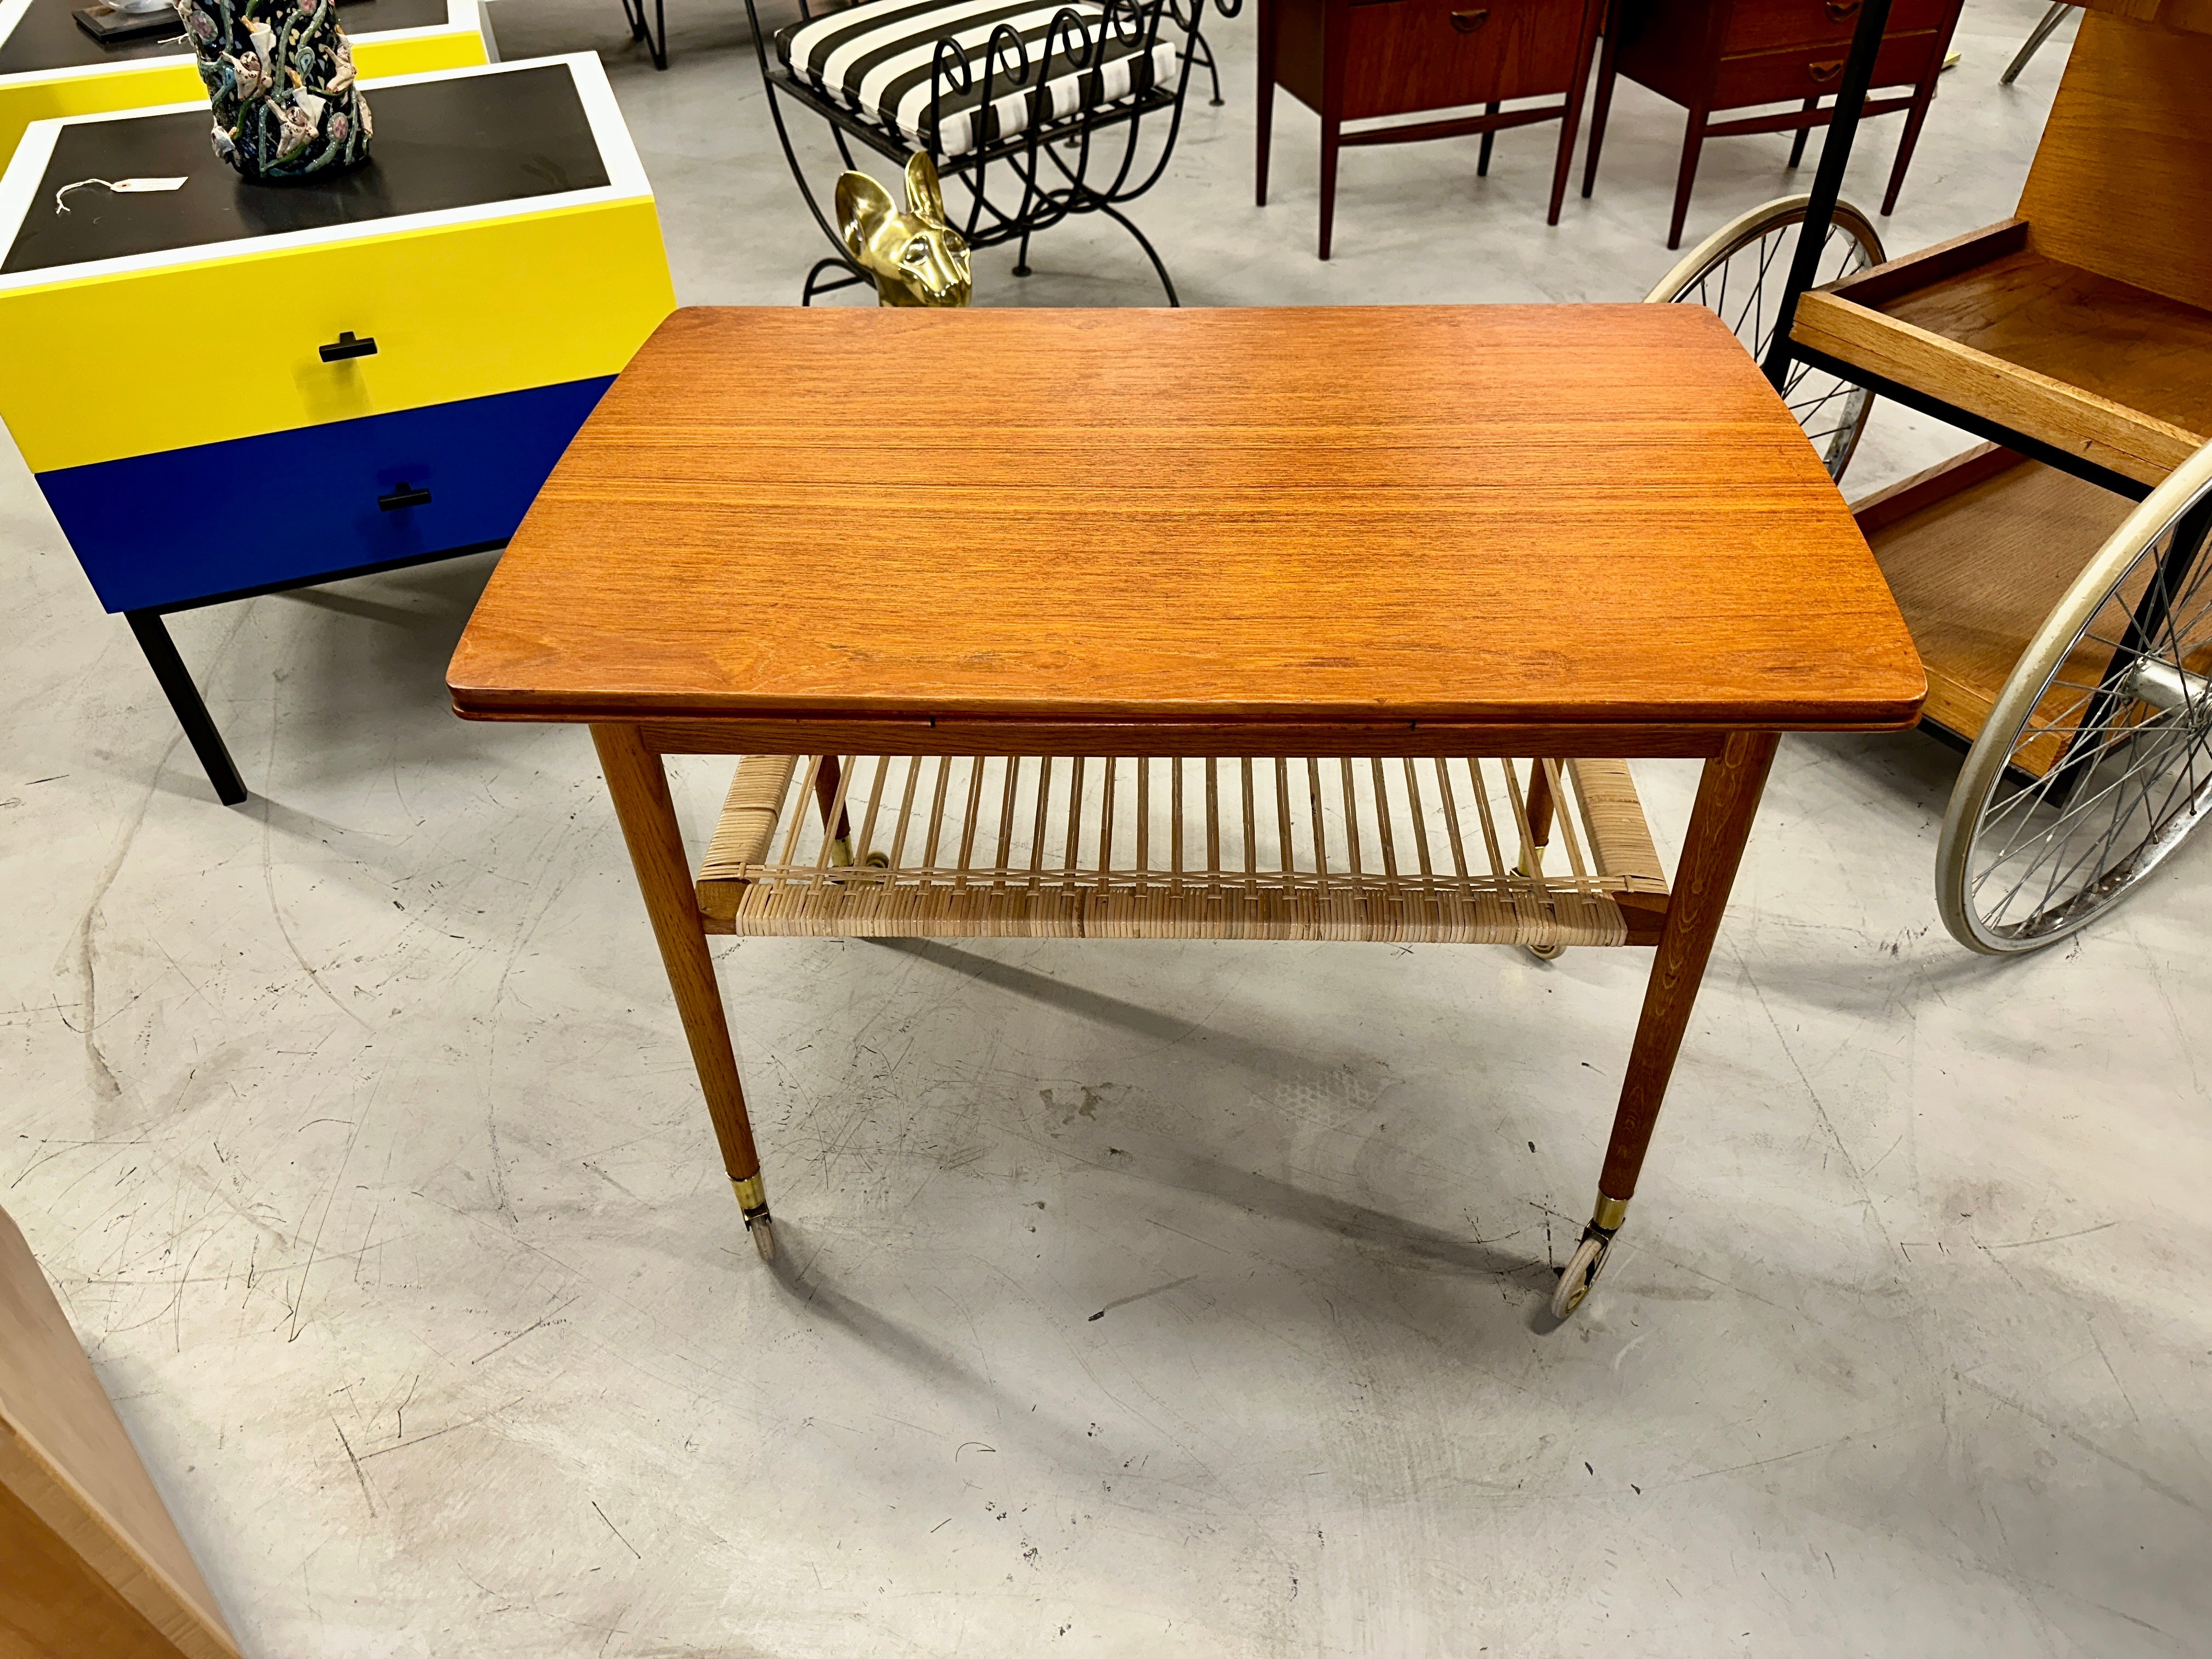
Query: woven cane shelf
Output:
(1405,851)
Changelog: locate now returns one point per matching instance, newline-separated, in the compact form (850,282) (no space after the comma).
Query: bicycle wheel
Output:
(2096,761)
(1739,273)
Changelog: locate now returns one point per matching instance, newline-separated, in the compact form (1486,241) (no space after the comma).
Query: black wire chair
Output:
(1056,168)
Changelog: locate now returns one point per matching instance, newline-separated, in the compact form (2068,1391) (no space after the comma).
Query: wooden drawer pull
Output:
(1466,22)
(1839,9)
(1824,73)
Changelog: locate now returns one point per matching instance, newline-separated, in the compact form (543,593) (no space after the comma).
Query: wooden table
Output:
(1438,531)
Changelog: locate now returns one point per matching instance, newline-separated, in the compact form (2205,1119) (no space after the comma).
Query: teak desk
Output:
(1362,538)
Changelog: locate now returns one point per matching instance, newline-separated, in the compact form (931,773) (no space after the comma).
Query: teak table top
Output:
(1496,515)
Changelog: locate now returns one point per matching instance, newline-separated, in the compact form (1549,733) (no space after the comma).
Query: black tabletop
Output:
(47,36)
(496,135)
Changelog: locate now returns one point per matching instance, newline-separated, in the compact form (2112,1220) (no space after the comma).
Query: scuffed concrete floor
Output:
(1138,1299)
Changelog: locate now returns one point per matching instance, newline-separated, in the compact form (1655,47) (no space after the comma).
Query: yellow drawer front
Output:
(463,311)
(27,98)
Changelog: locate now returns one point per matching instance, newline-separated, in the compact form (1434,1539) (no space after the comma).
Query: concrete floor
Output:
(1138,1299)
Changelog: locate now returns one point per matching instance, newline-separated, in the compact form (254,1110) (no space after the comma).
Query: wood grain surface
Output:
(2128,345)
(2059,412)
(1977,567)
(1483,514)
(2122,182)
(90,1562)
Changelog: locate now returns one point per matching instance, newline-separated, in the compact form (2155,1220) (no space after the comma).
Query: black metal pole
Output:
(184,696)
(1828,180)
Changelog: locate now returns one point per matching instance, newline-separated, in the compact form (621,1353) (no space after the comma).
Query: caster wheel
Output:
(877,861)
(1582,1269)
(1546,953)
(763,1232)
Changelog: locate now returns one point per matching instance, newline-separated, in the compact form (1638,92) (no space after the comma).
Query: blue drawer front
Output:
(190,524)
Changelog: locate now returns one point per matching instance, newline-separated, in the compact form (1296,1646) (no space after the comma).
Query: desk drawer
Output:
(190,524)
(1758,26)
(1409,55)
(1773,77)
(231,346)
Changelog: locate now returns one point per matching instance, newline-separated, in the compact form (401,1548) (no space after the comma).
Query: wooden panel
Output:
(66,1461)
(1908,495)
(1768,25)
(1488,515)
(1976,568)
(1799,72)
(2064,416)
(2122,183)
(2193,15)
(2130,347)
(1670,45)
(54,1607)
(1408,55)
(747,735)
(1879,284)
(1300,26)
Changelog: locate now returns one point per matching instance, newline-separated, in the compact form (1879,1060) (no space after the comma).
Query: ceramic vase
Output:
(280,76)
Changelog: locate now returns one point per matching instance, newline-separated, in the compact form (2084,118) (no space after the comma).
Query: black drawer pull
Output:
(1466,22)
(405,496)
(346,346)
(1824,73)
(1839,9)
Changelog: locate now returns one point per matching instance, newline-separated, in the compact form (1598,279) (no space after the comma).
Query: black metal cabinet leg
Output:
(185,697)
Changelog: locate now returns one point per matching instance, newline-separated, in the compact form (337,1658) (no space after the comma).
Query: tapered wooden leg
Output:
(639,785)
(1328,149)
(1720,823)
(1797,144)
(1482,161)
(1603,107)
(1571,123)
(1539,804)
(1266,112)
(1693,141)
(1914,119)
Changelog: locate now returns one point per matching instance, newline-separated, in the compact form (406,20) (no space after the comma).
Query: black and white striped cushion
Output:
(877,56)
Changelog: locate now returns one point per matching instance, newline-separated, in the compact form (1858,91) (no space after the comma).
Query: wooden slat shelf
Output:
(1978,551)
(1398,850)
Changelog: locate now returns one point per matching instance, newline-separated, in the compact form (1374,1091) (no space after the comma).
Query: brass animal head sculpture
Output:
(916,258)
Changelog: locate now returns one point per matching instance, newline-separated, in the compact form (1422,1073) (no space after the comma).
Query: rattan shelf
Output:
(1400,850)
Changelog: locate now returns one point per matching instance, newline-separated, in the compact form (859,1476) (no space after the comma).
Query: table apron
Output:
(1255,737)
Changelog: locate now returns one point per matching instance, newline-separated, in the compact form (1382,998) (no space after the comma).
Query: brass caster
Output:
(752,1201)
(1589,1260)
(1546,953)
(877,861)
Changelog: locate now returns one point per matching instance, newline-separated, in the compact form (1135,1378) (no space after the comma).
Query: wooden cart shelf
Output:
(1995,326)
(2084,323)
(1979,552)
(1405,851)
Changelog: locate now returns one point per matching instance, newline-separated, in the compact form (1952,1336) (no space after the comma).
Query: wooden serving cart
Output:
(2068,638)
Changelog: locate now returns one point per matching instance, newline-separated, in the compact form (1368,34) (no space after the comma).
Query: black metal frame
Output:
(183,693)
(654,34)
(1783,351)
(1054,186)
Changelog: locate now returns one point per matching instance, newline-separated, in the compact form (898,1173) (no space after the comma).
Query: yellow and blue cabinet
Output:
(50,67)
(230,389)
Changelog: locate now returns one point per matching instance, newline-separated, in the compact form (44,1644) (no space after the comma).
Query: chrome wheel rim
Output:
(1739,272)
